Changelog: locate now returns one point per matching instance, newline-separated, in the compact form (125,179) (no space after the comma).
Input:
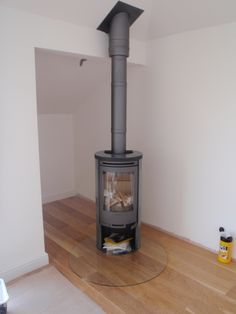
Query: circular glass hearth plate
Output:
(137,267)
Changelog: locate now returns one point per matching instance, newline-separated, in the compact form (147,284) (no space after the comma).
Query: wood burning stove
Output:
(118,170)
(118,195)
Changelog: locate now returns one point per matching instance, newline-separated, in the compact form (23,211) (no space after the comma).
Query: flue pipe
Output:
(119,51)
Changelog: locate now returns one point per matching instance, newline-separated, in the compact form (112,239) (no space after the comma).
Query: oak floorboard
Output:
(193,281)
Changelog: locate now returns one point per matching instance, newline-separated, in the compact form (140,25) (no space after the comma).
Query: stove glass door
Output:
(118,191)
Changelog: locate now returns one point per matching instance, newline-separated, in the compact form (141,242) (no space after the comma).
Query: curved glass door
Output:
(118,191)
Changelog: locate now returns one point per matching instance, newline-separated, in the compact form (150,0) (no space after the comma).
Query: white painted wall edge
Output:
(25,268)
(57,197)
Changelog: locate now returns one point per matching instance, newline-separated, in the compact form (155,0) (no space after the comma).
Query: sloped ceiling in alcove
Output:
(62,84)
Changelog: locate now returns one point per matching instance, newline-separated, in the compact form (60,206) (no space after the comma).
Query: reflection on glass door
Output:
(118,191)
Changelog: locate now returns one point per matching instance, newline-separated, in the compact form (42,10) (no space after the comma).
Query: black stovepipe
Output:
(119,51)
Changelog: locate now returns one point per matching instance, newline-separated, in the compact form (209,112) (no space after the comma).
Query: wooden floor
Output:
(193,282)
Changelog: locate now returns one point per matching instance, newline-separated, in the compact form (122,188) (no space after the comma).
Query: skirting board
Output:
(57,197)
(174,235)
(18,271)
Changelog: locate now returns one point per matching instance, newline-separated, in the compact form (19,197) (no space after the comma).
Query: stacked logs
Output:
(121,200)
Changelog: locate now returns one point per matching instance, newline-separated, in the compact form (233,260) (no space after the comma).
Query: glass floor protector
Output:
(137,267)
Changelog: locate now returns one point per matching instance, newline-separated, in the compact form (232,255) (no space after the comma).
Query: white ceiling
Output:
(177,16)
(161,17)
(62,84)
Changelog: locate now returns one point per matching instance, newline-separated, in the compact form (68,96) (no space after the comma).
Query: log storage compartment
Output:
(118,196)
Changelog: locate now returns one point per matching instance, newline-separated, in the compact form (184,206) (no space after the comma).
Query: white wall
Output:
(92,134)
(56,152)
(181,115)
(21,232)
(190,152)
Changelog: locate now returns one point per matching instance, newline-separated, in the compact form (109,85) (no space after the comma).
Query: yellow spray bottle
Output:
(225,249)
